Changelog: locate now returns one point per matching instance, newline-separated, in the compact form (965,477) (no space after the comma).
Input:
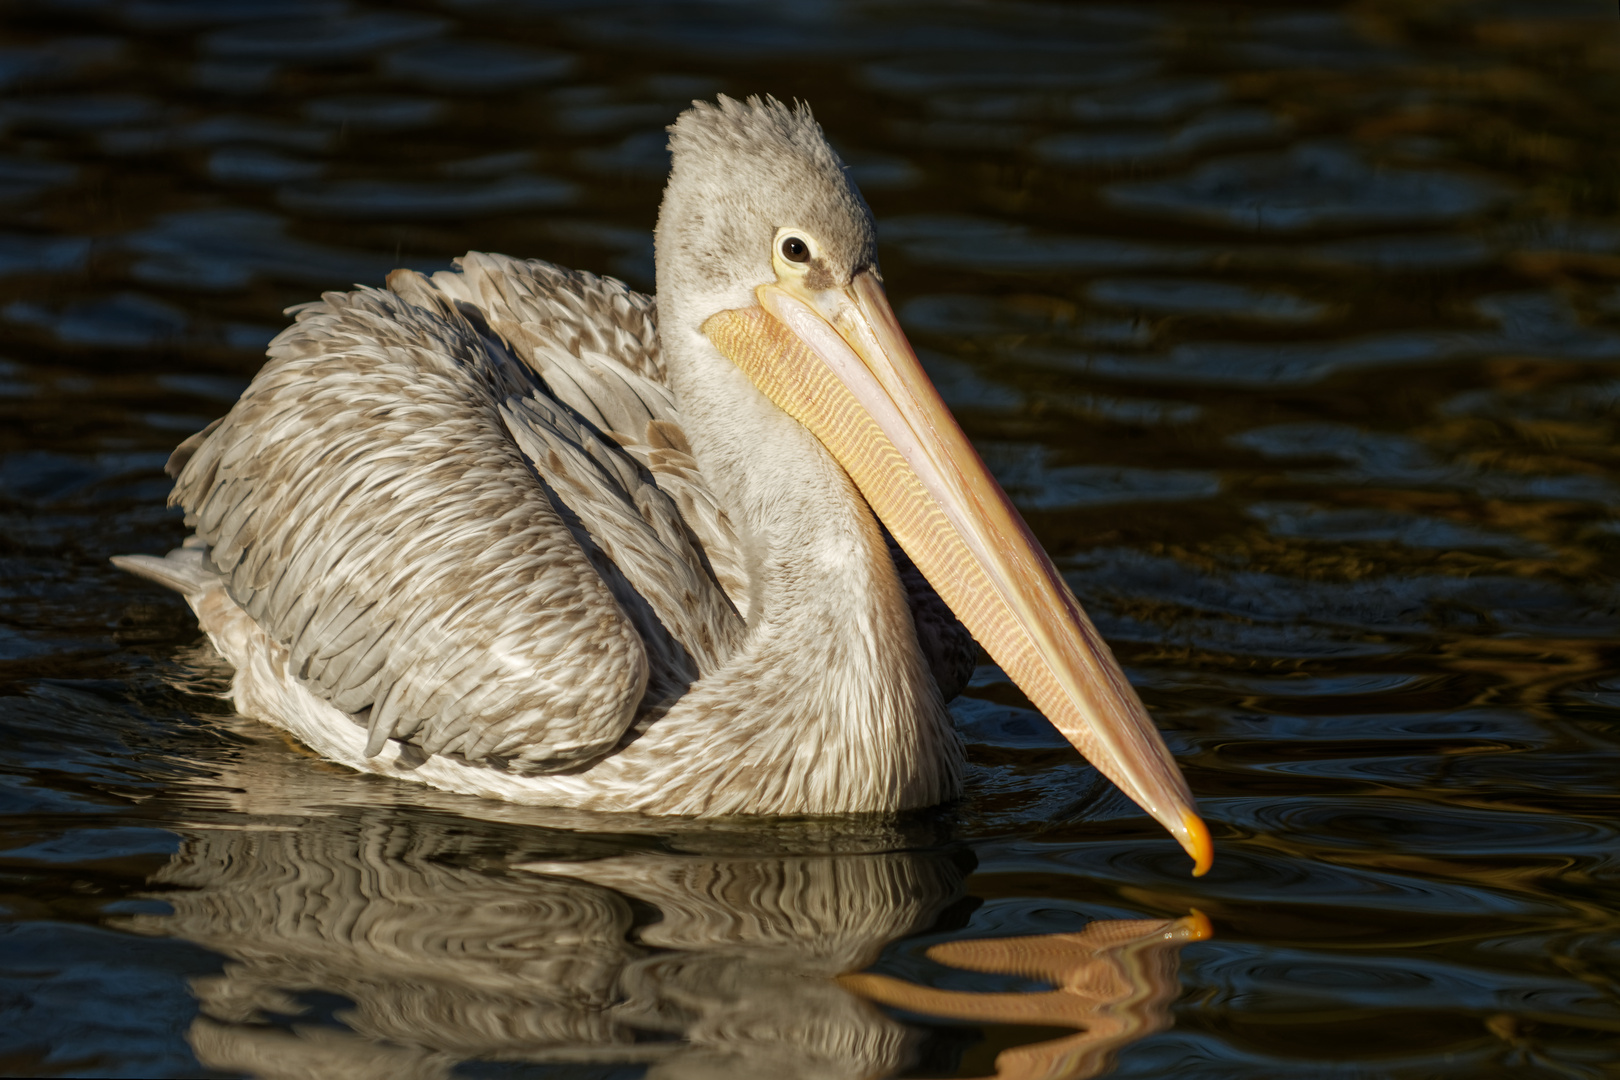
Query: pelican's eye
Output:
(795,250)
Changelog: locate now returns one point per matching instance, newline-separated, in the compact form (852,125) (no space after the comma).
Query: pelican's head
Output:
(763,234)
(744,179)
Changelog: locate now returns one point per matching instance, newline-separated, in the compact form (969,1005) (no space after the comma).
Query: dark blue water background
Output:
(1293,328)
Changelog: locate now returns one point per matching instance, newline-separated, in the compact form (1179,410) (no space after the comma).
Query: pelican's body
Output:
(436,412)
(522,533)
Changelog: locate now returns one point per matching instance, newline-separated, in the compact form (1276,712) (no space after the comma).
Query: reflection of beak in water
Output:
(448,939)
(1115,979)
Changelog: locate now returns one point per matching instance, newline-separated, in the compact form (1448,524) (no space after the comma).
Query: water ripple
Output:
(1193,296)
(475,67)
(314,41)
(426,199)
(1310,186)
(228,249)
(1293,330)
(1104,149)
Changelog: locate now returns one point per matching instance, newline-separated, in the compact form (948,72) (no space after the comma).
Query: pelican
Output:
(519,532)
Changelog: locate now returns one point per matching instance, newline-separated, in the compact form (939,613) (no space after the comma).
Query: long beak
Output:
(837,361)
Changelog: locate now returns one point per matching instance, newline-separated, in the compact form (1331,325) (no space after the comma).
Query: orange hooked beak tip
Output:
(1198,843)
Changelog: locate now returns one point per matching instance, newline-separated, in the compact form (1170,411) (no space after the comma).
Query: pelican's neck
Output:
(809,539)
(831,649)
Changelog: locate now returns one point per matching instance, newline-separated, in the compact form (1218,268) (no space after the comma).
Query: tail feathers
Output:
(184,452)
(185,570)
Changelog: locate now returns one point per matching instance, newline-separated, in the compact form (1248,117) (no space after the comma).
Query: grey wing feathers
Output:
(665,453)
(595,344)
(368,506)
(642,535)
(594,341)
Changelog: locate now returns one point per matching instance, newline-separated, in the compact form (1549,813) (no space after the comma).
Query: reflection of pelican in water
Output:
(521,533)
(714,966)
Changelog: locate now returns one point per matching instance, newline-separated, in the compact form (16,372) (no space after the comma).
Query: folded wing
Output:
(453,550)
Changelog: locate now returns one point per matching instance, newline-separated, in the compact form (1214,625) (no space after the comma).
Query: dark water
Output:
(1294,330)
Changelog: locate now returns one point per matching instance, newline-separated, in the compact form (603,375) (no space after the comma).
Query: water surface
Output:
(1293,329)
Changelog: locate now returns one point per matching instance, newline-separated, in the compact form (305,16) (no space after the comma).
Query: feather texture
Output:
(466,509)
(369,508)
